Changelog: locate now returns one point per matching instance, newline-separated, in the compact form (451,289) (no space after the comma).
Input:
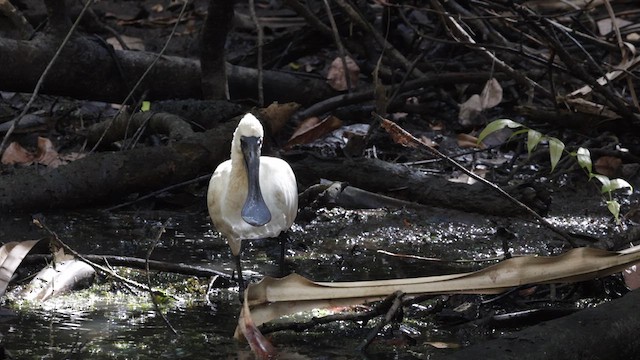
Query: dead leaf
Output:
(306,125)
(491,95)
(260,346)
(277,115)
(608,166)
(16,154)
(47,154)
(399,135)
(336,76)
(272,298)
(631,276)
(468,141)
(314,130)
(605,26)
(469,110)
(589,107)
(11,256)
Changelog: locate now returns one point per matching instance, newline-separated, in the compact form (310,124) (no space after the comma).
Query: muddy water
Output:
(107,322)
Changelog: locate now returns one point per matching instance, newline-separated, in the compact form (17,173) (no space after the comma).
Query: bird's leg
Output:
(283,237)
(240,277)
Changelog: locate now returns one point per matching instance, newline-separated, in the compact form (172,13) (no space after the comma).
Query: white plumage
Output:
(243,207)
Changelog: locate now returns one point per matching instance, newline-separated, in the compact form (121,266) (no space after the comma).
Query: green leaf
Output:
(616,184)
(518,132)
(495,126)
(555,151)
(606,183)
(614,208)
(584,159)
(533,139)
(146,106)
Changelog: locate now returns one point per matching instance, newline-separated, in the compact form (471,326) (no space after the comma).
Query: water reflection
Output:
(338,245)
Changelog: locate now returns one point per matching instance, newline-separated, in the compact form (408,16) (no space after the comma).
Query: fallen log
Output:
(84,63)
(604,332)
(109,176)
(403,182)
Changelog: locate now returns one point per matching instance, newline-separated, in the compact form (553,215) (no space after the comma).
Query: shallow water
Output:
(337,245)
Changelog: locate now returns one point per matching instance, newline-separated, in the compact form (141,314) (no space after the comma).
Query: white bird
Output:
(251,196)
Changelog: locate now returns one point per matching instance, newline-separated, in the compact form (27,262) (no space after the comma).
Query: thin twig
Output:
(152,295)
(138,263)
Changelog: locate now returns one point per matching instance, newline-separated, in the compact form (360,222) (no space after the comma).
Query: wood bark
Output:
(607,331)
(212,57)
(405,183)
(85,63)
(108,176)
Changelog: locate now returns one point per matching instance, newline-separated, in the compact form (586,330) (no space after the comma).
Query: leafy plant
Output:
(556,148)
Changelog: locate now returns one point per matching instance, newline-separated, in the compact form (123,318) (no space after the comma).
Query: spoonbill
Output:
(251,196)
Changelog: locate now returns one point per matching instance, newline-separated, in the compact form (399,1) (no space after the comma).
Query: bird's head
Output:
(249,126)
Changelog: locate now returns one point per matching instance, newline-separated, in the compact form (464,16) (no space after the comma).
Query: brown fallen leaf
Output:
(470,109)
(490,96)
(605,26)
(272,298)
(468,141)
(16,154)
(337,78)
(313,129)
(260,346)
(11,256)
(277,114)
(47,154)
(399,135)
(608,165)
